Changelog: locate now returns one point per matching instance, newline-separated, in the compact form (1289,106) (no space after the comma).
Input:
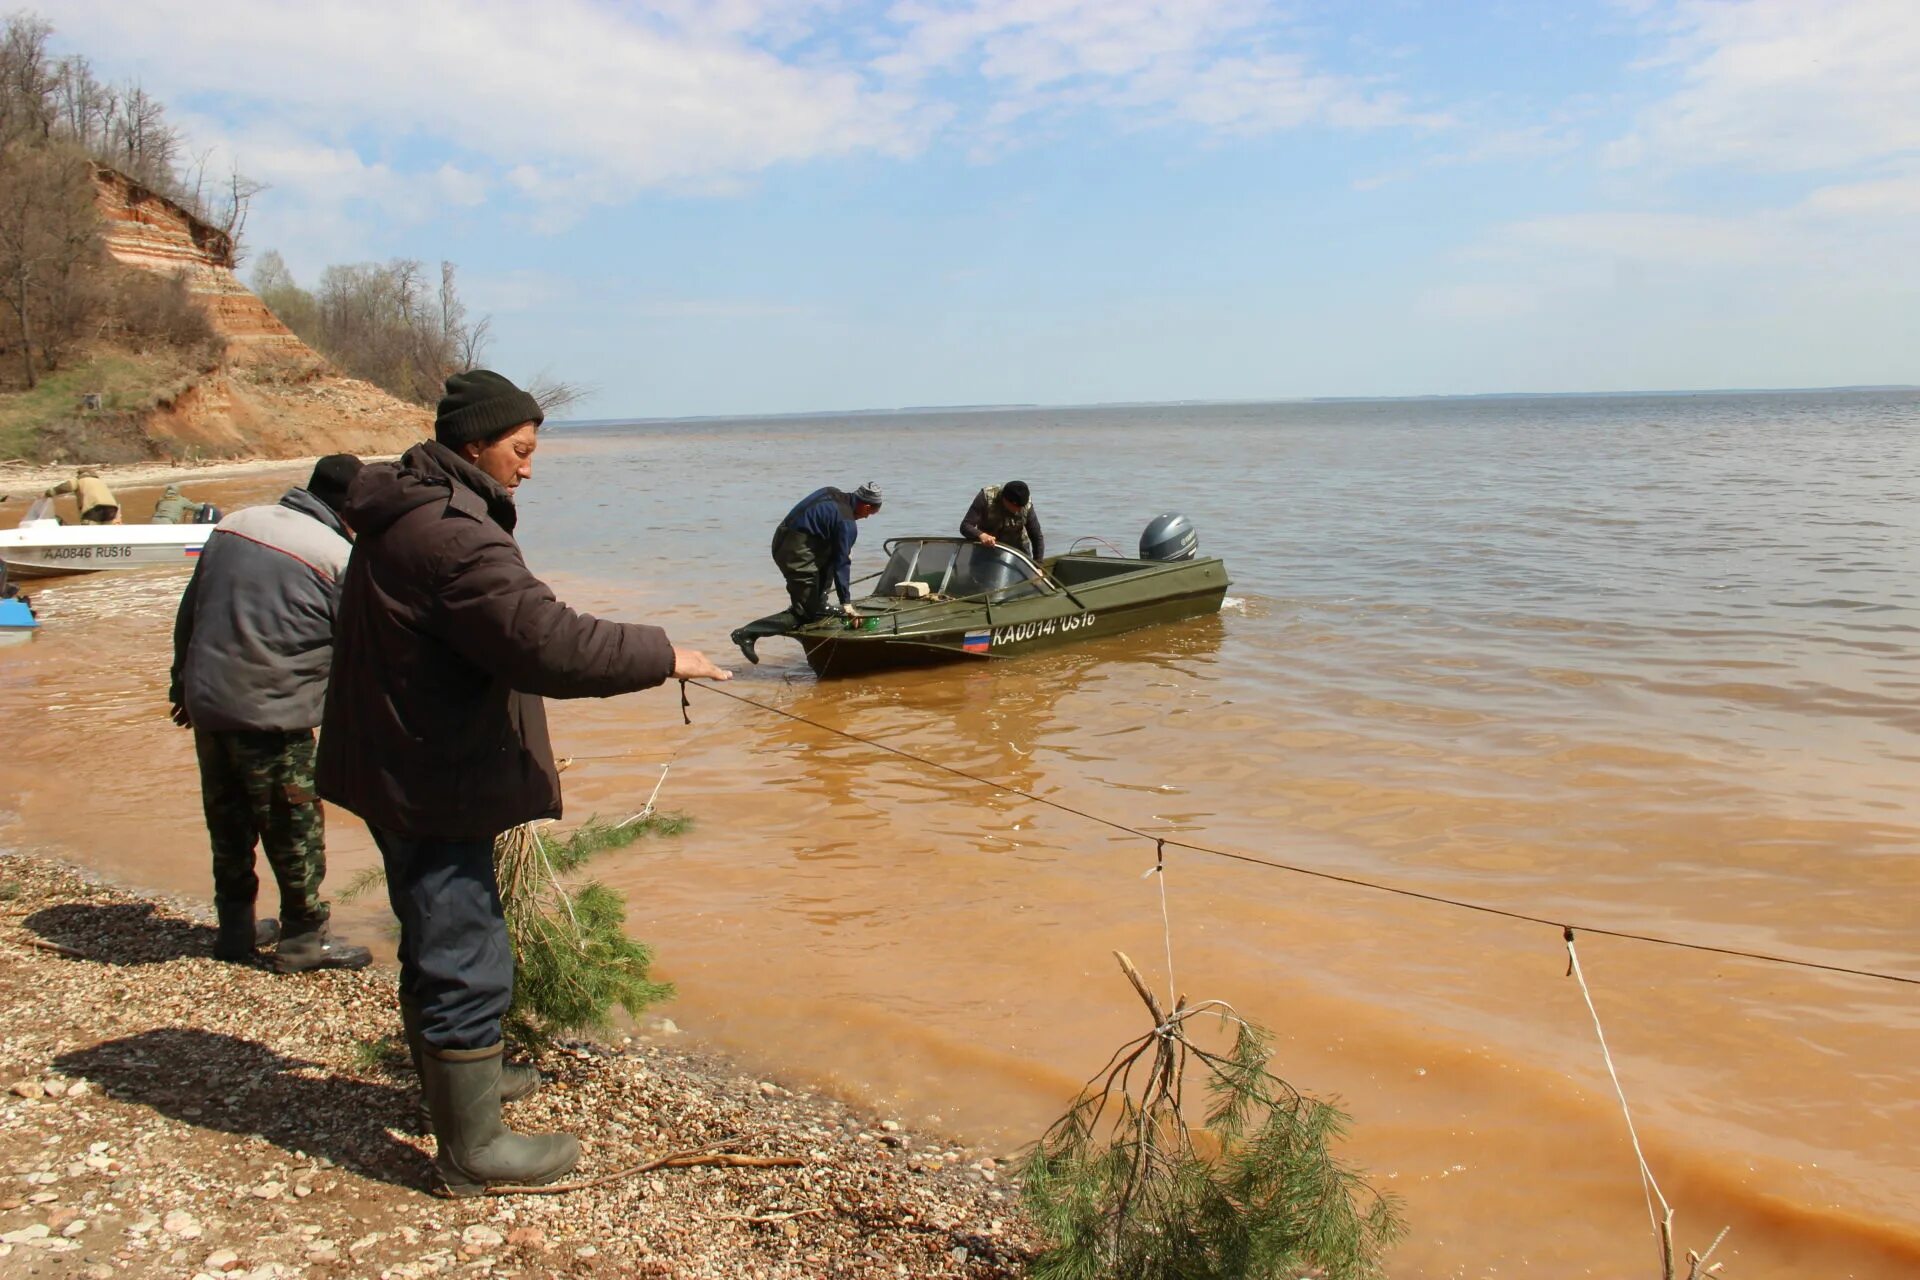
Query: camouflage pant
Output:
(258,786)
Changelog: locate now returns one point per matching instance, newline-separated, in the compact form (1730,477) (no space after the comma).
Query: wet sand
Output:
(1566,717)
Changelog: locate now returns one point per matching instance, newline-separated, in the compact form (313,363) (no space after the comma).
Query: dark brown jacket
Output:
(444,646)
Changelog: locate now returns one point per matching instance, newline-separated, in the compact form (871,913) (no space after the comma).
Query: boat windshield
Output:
(955,569)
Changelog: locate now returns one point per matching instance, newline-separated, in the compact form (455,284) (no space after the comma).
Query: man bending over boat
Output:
(90,494)
(812,545)
(1003,515)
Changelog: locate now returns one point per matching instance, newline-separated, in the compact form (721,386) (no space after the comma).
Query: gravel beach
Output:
(164,1114)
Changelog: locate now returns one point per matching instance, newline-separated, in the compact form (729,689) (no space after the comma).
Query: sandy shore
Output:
(33,479)
(162,1113)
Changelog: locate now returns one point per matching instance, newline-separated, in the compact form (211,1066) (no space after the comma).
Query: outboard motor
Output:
(207,514)
(1169,537)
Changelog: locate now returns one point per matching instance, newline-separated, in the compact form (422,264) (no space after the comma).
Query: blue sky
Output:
(744,206)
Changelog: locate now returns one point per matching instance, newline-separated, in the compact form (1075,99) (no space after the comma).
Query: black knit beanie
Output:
(331,477)
(479,405)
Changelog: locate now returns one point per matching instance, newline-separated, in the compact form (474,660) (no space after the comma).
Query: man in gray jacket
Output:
(252,648)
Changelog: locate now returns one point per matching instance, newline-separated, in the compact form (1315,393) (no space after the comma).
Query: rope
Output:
(1159,873)
(1649,1188)
(1356,881)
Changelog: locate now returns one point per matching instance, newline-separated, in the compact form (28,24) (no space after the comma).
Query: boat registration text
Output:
(121,552)
(1020,631)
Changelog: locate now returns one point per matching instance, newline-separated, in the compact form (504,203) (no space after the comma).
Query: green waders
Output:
(803,560)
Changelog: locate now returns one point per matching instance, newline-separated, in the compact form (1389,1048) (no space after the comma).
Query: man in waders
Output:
(813,545)
(1003,515)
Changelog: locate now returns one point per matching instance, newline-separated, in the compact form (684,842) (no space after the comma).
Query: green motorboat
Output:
(950,600)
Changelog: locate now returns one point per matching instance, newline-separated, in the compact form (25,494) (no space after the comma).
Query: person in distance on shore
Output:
(252,644)
(436,735)
(812,547)
(1003,515)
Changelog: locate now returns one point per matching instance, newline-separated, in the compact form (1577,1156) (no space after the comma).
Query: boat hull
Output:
(1086,612)
(43,549)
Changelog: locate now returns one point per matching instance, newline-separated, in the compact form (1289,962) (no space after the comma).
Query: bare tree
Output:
(553,394)
(47,245)
(230,212)
(26,81)
(466,341)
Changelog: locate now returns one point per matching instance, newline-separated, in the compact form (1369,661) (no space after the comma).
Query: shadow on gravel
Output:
(238,1086)
(119,933)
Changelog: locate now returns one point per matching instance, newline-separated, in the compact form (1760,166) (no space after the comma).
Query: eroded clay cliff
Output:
(272,396)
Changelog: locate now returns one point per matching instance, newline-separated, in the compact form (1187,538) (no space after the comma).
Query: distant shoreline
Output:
(34,479)
(1033,407)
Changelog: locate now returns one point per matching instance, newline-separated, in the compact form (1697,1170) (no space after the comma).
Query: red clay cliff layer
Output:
(273,396)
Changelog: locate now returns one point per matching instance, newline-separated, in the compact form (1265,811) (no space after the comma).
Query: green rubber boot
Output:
(462,1087)
(314,947)
(517,1079)
(240,936)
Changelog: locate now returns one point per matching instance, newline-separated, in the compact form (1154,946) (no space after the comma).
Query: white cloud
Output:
(403,109)
(1213,63)
(578,89)
(1782,85)
(1856,241)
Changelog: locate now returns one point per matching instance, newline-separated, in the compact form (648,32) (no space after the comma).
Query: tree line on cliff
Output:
(57,290)
(392,324)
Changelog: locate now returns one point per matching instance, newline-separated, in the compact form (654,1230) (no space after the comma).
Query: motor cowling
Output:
(1169,537)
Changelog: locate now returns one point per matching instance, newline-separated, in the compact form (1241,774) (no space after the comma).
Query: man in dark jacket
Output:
(812,547)
(252,644)
(435,733)
(1003,515)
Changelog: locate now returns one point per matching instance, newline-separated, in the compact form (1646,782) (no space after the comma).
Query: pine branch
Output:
(1120,1187)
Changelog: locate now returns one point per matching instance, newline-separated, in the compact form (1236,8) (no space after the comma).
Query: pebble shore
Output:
(165,1114)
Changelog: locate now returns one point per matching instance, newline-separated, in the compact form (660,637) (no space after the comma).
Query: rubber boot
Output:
(517,1079)
(240,936)
(462,1088)
(313,947)
(745,642)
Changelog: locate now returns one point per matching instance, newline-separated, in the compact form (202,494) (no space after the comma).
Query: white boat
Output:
(44,548)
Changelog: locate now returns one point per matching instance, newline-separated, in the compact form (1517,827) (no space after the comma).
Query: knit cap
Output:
(331,476)
(480,404)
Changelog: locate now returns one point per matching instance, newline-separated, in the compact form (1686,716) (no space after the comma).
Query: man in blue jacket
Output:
(252,648)
(812,546)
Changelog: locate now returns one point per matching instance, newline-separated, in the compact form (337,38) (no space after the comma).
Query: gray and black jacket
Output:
(253,641)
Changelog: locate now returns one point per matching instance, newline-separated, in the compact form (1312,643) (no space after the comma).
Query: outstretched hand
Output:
(691,664)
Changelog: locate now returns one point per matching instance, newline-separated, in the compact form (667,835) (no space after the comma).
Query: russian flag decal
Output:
(977,641)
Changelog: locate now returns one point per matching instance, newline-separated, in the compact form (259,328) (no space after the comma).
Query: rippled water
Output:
(1642,663)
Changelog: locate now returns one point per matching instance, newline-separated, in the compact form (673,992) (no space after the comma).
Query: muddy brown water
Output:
(1642,663)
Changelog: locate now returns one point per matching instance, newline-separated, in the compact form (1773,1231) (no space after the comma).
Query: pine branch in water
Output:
(1121,1186)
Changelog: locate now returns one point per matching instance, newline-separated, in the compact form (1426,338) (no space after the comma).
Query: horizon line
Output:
(1015,405)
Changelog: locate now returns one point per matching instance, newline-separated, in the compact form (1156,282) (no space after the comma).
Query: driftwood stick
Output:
(712,1154)
(57,948)
(763,1218)
(1133,976)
